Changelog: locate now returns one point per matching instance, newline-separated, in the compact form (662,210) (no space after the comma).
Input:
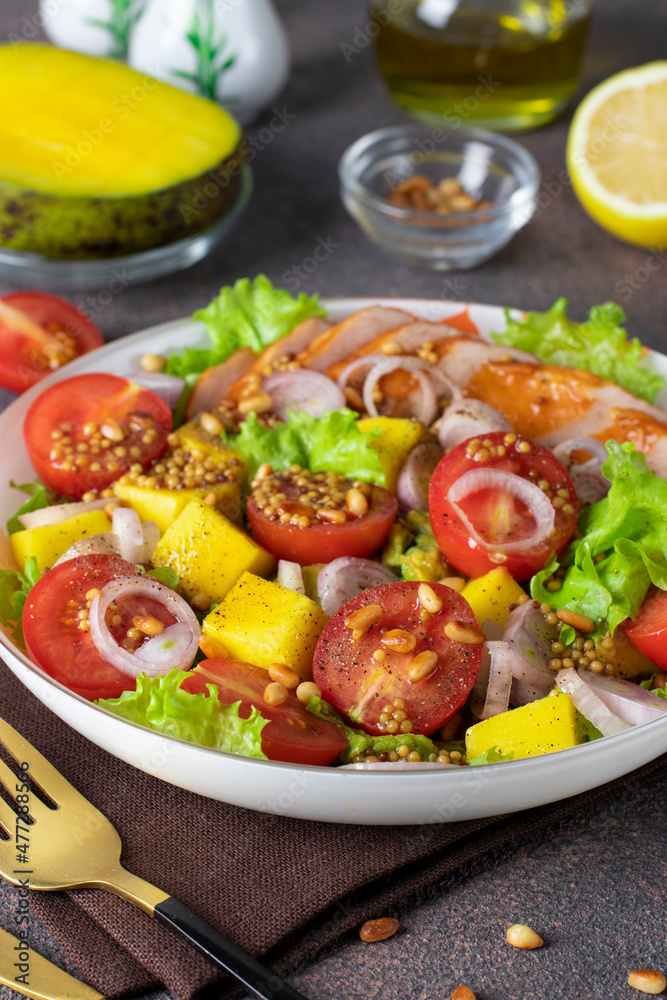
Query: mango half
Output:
(98,160)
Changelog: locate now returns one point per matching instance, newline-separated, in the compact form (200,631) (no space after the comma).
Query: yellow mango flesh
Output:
(49,542)
(542,726)
(208,552)
(491,596)
(261,622)
(122,132)
(164,506)
(395,443)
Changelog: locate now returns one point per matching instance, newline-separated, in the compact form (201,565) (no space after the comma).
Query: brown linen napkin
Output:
(280,888)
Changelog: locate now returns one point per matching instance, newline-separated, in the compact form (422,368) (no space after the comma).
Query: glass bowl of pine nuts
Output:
(441,198)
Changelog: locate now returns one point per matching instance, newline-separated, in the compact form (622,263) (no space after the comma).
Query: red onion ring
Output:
(586,477)
(530,637)
(303,390)
(342,579)
(528,493)
(586,700)
(468,418)
(63,511)
(427,409)
(127,526)
(290,576)
(415,476)
(500,678)
(106,544)
(181,654)
(630,702)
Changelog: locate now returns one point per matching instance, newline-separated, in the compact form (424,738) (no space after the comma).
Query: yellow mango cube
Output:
(542,726)
(164,506)
(48,542)
(263,623)
(208,552)
(491,595)
(395,443)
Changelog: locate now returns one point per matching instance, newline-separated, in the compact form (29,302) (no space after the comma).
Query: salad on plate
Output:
(381,543)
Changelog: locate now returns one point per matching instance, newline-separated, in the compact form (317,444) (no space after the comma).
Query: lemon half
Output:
(617,154)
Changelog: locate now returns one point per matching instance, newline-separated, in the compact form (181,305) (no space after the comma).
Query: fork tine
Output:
(7,818)
(10,780)
(43,773)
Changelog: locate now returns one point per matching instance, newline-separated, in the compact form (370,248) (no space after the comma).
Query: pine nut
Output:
(522,936)
(284,675)
(457,583)
(112,430)
(647,980)
(211,498)
(464,632)
(356,502)
(463,993)
(423,665)
(259,403)
(353,398)
(378,930)
(365,617)
(581,622)
(148,625)
(307,690)
(153,362)
(428,599)
(264,470)
(201,602)
(210,423)
(275,693)
(331,516)
(398,640)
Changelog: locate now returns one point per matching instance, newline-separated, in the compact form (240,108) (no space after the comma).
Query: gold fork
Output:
(36,977)
(75,845)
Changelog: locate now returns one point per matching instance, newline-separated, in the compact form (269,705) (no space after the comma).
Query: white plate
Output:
(329,794)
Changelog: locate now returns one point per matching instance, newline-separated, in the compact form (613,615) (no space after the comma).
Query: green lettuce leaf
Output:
(490,756)
(657,691)
(599,345)
(14,588)
(37,499)
(332,441)
(248,314)
(159,703)
(622,549)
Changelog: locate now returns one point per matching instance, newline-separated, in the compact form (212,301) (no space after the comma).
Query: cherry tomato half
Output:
(38,334)
(360,686)
(496,511)
(293,734)
(52,635)
(359,536)
(648,632)
(83,433)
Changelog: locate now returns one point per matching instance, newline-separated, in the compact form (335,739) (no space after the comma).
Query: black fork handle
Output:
(224,953)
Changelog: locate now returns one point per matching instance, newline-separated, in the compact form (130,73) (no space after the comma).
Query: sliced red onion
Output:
(167,387)
(342,579)
(182,652)
(166,650)
(106,544)
(587,477)
(290,576)
(469,418)
(522,694)
(303,390)
(415,476)
(478,693)
(530,637)
(62,512)
(521,489)
(426,410)
(492,630)
(628,701)
(367,362)
(585,700)
(500,678)
(127,526)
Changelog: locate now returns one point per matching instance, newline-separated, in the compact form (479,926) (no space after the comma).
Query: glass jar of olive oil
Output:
(501,64)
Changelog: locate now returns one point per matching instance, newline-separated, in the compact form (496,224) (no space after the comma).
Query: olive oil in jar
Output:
(502,64)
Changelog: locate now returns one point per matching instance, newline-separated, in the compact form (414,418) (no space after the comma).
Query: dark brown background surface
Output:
(596,889)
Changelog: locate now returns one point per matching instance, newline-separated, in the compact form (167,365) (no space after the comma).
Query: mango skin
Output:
(491,595)
(50,541)
(261,622)
(542,726)
(209,553)
(398,438)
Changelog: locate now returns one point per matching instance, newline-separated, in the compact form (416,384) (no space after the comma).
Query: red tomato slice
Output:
(357,536)
(86,431)
(360,686)
(293,734)
(497,515)
(648,632)
(38,334)
(52,635)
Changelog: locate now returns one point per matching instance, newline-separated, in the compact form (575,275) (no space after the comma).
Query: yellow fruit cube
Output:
(208,552)
(48,542)
(164,506)
(542,726)
(491,595)
(395,443)
(263,623)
